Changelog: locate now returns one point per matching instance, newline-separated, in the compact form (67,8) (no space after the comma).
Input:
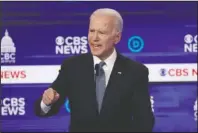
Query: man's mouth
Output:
(97,46)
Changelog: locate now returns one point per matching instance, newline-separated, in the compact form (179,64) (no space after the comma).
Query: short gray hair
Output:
(113,13)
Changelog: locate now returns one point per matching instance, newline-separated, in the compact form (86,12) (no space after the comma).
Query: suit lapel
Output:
(114,83)
(89,81)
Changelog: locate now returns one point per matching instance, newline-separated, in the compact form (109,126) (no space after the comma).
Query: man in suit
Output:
(107,91)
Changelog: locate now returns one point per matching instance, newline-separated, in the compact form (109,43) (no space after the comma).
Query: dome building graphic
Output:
(7,44)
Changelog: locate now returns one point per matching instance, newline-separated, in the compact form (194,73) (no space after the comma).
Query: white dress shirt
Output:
(109,63)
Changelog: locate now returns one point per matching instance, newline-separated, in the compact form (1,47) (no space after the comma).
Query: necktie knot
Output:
(101,64)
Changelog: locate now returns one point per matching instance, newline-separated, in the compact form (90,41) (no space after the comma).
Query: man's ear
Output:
(118,37)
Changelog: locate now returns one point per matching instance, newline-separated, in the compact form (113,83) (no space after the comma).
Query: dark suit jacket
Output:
(126,104)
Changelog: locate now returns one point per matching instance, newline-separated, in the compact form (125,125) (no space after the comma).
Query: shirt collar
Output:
(109,61)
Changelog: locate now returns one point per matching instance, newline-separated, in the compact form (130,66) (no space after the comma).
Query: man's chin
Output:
(98,54)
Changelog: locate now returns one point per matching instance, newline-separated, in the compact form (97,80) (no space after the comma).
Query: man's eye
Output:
(102,32)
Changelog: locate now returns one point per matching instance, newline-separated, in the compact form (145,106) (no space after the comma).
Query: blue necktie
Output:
(100,84)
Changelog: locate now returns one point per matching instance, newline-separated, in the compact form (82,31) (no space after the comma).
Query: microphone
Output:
(97,69)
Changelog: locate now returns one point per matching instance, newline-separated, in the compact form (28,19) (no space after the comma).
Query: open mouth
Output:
(97,46)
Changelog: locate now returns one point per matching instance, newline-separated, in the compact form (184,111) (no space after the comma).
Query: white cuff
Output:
(45,109)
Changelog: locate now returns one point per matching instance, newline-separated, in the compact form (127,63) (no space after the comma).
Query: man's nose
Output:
(95,37)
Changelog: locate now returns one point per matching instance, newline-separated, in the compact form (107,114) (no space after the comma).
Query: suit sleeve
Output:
(61,85)
(143,116)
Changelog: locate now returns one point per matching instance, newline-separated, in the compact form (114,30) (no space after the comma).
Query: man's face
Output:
(102,36)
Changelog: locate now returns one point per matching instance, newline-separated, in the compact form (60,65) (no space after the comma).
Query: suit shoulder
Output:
(76,59)
(136,66)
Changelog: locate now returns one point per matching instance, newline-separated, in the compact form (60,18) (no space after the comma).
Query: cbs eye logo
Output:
(163,72)
(60,40)
(189,38)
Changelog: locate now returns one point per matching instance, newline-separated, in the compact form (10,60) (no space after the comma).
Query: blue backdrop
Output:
(37,36)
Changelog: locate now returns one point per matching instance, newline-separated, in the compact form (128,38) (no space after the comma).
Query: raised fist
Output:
(50,96)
